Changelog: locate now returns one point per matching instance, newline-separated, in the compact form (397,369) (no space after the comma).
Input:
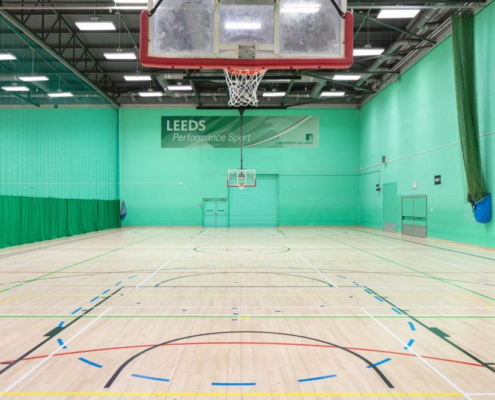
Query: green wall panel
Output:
(316,186)
(414,123)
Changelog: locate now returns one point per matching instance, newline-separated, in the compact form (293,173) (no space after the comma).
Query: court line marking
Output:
(256,307)
(275,316)
(199,235)
(244,394)
(44,360)
(418,355)
(153,274)
(328,280)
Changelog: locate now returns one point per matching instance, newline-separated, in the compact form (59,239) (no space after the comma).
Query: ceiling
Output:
(43,36)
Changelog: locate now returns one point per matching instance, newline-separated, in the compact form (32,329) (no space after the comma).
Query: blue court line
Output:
(232,384)
(90,362)
(317,378)
(61,343)
(413,328)
(367,291)
(106,291)
(397,311)
(340,276)
(96,298)
(150,377)
(75,311)
(357,284)
(236,313)
(61,324)
(376,297)
(118,283)
(380,362)
(133,276)
(409,344)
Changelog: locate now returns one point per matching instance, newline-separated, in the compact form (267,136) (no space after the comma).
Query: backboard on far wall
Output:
(268,34)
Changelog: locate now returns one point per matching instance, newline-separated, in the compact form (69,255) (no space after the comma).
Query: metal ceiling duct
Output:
(424,24)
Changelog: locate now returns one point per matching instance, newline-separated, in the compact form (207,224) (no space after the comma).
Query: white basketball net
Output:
(243,86)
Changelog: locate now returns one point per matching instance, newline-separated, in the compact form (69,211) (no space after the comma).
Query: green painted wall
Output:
(315,188)
(414,123)
(58,173)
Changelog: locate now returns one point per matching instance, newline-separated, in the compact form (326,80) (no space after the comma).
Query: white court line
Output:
(455,266)
(190,244)
(457,388)
(149,276)
(311,265)
(8,389)
(328,280)
(253,308)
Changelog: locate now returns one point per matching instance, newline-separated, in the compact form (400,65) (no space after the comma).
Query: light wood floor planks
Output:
(299,313)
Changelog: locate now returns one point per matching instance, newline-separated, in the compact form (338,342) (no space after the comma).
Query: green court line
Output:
(413,269)
(73,265)
(241,317)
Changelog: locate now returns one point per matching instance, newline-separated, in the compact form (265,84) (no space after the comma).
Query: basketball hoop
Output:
(241,178)
(243,86)
(241,186)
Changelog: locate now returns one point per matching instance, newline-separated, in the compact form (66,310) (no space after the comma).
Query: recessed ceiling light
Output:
(397,13)
(7,57)
(120,55)
(34,78)
(15,88)
(132,78)
(367,51)
(274,94)
(60,94)
(346,77)
(243,25)
(332,93)
(179,87)
(96,26)
(150,94)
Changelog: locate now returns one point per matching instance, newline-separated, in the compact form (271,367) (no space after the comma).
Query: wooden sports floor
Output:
(299,313)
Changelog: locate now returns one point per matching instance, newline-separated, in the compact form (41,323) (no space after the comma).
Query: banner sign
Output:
(224,132)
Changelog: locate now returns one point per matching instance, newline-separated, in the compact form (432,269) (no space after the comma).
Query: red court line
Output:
(247,343)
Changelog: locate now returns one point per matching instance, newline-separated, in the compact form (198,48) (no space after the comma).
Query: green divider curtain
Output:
(32,219)
(465,84)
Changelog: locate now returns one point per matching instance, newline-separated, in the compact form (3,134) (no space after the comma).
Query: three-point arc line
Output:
(318,378)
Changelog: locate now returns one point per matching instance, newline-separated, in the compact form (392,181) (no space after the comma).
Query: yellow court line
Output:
(479,302)
(232,394)
(11,300)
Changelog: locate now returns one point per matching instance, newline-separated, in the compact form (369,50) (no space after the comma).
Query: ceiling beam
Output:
(36,39)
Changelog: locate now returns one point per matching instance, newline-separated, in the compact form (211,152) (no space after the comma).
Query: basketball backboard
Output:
(267,34)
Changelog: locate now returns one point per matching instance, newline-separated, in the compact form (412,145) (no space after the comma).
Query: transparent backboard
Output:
(245,30)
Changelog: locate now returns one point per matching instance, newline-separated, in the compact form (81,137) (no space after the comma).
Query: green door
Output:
(257,206)
(390,207)
(215,213)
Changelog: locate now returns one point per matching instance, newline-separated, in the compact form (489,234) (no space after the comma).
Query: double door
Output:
(215,213)
(414,221)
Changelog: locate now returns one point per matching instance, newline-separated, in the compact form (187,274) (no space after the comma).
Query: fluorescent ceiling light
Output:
(96,26)
(15,88)
(332,94)
(397,13)
(346,77)
(60,94)
(367,51)
(300,9)
(7,57)
(179,87)
(130,7)
(150,94)
(131,1)
(273,94)
(131,78)
(120,55)
(34,78)
(243,25)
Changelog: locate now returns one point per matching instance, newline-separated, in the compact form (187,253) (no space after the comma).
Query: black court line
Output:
(129,360)
(424,244)
(257,273)
(435,331)
(50,335)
